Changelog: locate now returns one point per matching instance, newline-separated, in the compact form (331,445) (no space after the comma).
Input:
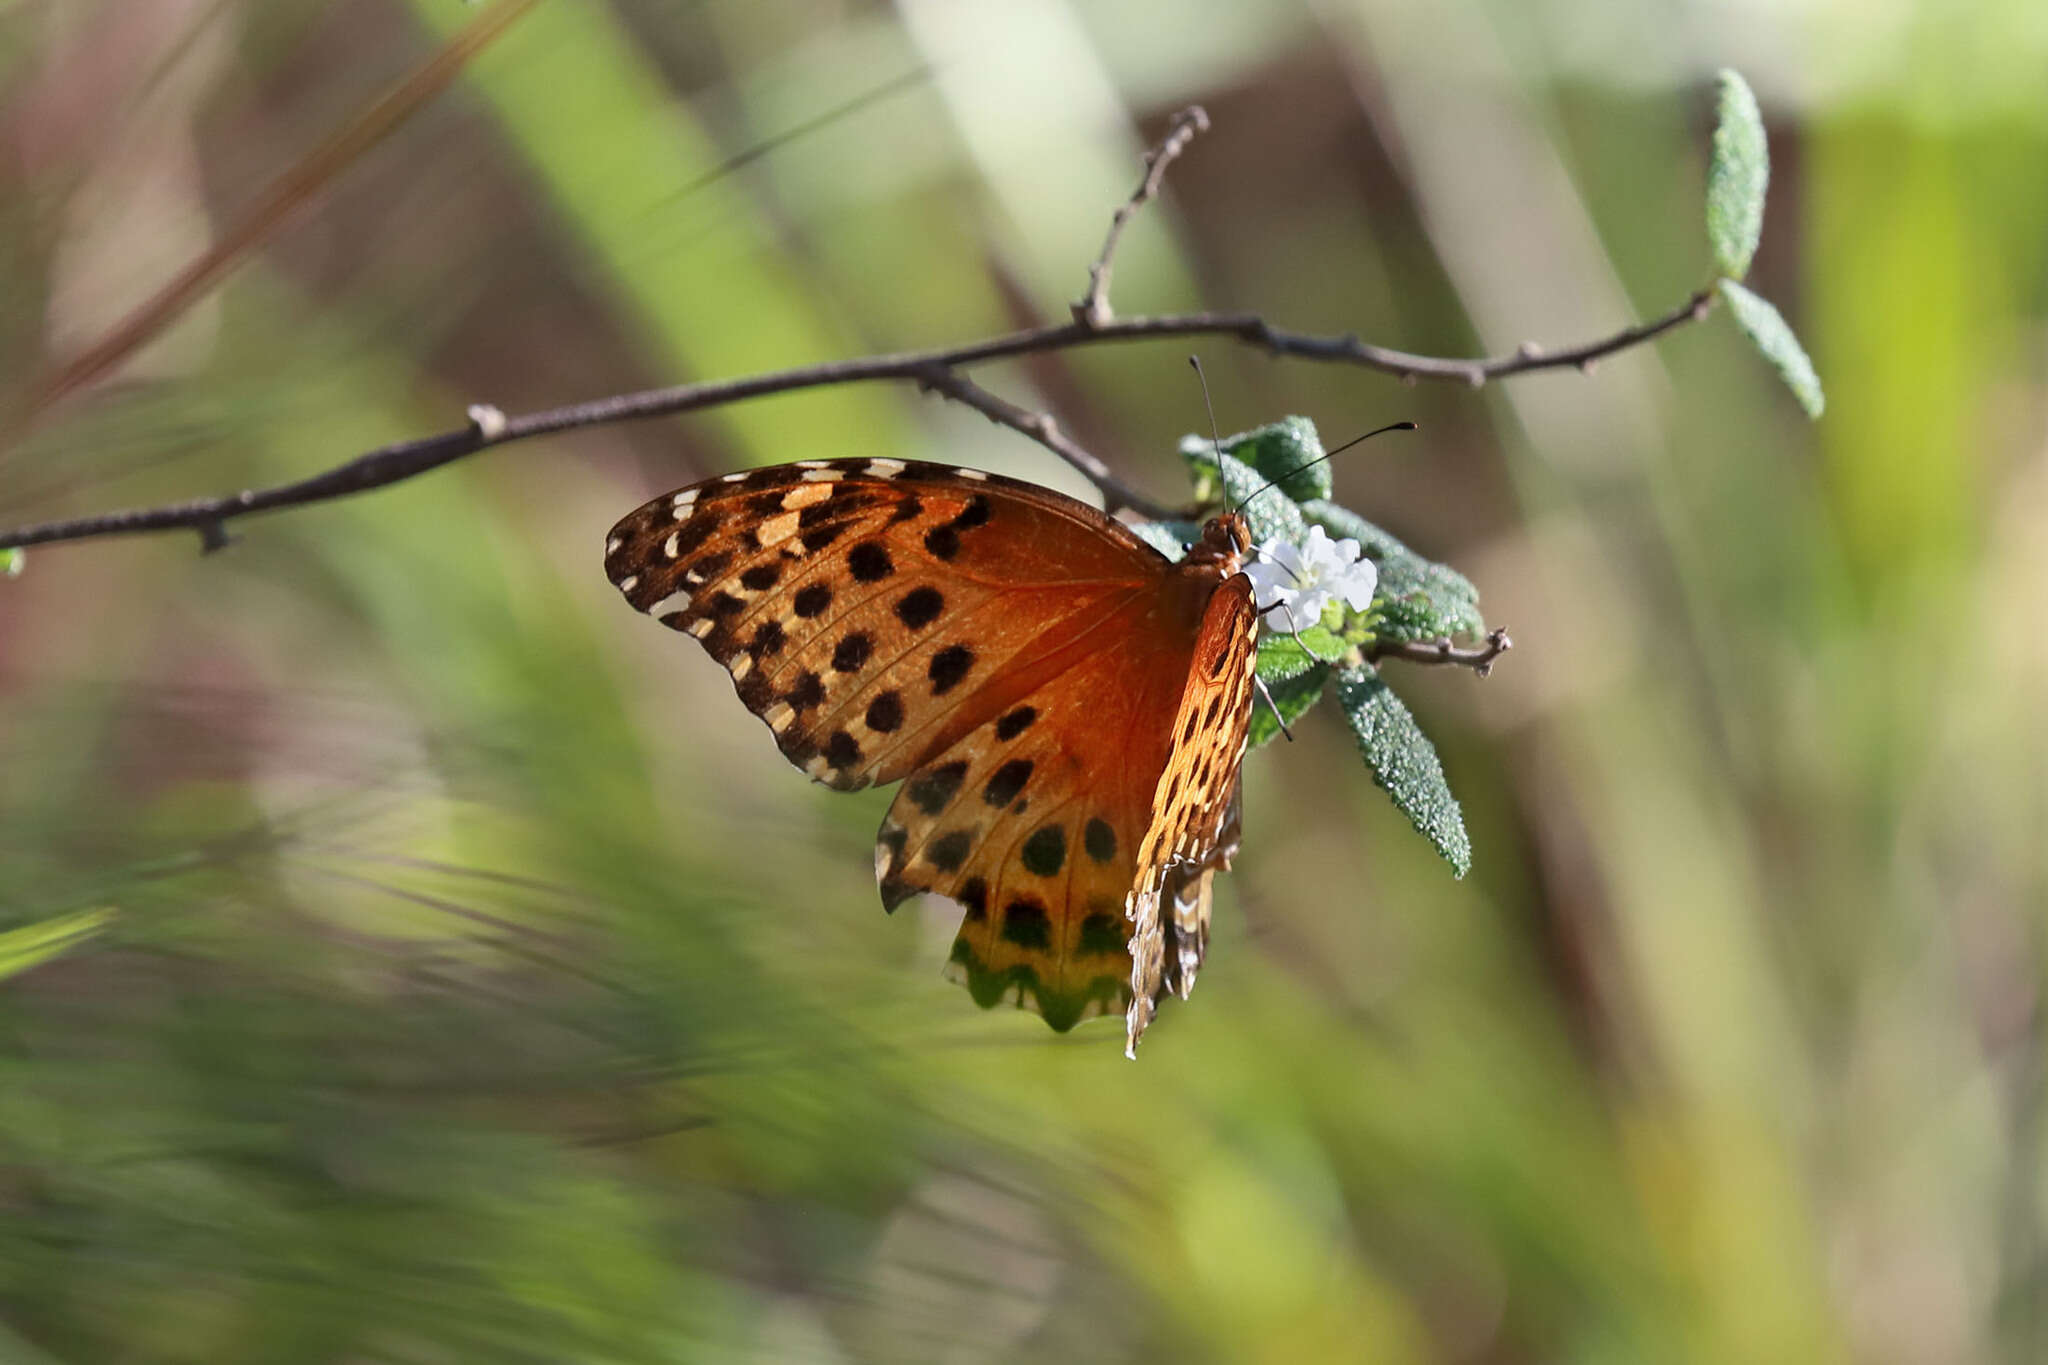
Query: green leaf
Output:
(1737,178)
(1404,762)
(1294,697)
(1170,538)
(1282,657)
(33,944)
(1417,598)
(1773,336)
(12,561)
(1272,514)
(1284,451)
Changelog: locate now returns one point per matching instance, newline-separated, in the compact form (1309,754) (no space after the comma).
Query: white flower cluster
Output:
(1293,583)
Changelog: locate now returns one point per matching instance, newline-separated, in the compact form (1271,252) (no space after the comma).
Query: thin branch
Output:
(1093,308)
(1479,660)
(938,369)
(1041,428)
(408,459)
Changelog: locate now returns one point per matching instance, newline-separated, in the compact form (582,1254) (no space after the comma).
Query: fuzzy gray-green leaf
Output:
(1737,178)
(1418,599)
(1282,657)
(1285,451)
(1404,762)
(1773,336)
(1293,697)
(1272,514)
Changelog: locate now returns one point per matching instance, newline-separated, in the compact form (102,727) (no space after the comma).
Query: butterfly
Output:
(1066,708)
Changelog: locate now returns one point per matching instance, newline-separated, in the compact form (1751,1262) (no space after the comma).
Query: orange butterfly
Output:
(1069,707)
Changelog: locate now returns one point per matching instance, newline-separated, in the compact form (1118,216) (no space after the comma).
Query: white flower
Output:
(1293,583)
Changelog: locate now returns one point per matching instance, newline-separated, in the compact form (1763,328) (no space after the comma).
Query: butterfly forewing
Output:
(862,606)
(1065,704)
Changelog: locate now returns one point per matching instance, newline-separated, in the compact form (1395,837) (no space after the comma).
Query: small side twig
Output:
(1479,660)
(1041,428)
(1092,309)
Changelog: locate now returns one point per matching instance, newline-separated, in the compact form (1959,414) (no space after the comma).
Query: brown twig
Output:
(1041,428)
(1092,310)
(1479,660)
(938,369)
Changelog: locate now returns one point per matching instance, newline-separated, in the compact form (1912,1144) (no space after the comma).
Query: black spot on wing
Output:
(885,713)
(852,653)
(920,607)
(709,566)
(1007,781)
(818,537)
(1045,852)
(1026,924)
(694,532)
(949,851)
(808,691)
(932,792)
(1102,935)
(974,514)
(948,667)
(973,894)
(869,562)
(842,750)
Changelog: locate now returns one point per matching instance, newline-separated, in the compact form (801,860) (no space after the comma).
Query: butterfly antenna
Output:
(1311,464)
(1215,437)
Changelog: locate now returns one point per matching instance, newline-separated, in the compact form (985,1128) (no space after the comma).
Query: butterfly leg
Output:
(1294,629)
(1273,706)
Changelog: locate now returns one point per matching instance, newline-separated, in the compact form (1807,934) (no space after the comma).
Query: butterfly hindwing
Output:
(1033,821)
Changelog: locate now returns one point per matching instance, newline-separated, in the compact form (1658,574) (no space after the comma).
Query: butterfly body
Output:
(1066,708)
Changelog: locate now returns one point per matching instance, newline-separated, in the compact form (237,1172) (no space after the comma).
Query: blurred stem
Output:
(273,207)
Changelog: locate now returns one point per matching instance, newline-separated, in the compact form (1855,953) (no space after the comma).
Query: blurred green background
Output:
(477,984)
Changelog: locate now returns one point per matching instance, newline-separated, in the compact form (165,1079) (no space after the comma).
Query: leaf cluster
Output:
(1737,177)
(1261,472)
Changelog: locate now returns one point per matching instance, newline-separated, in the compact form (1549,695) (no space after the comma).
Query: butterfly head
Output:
(1226,540)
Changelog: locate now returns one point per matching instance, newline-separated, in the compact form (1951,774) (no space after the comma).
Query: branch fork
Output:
(1092,309)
